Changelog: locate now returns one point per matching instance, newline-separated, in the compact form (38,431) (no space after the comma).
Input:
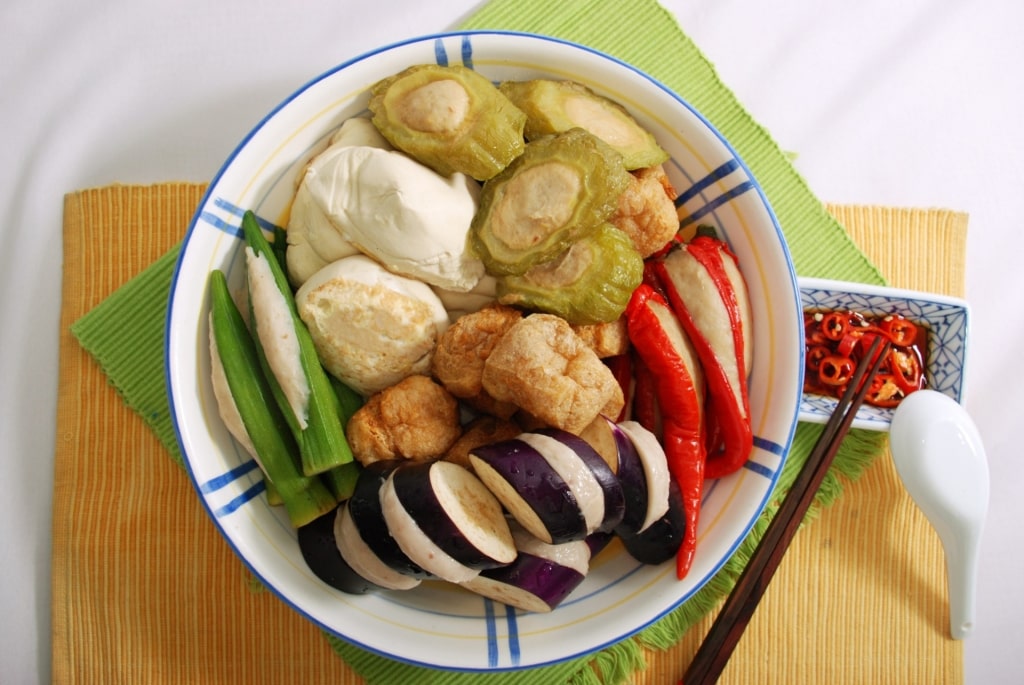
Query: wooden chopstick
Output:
(732,620)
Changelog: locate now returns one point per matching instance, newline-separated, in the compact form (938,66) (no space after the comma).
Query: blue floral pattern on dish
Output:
(946,319)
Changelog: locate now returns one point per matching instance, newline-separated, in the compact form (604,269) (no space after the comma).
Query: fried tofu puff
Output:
(606,339)
(483,430)
(542,366)
(413,419)
(647,211)
(462,350)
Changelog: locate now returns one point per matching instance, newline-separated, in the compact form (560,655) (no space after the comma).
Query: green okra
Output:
(274,498)
(305,498)
(349,401)
(341,480)
(322,443)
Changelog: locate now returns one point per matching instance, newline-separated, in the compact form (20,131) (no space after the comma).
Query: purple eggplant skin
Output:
(364,508)
(546,580)
(614,498)
(660,541)
(539,486)
(634,484)
(320,552)
(598,541)
(413,488)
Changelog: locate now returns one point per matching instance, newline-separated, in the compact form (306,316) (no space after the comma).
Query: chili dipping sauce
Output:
(835,341)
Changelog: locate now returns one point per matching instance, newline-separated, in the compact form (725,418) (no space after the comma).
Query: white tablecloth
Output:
(915,104)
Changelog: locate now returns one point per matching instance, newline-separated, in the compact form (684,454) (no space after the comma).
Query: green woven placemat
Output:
(125,333)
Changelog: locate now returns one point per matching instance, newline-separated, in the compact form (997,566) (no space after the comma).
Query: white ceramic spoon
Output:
(941,460)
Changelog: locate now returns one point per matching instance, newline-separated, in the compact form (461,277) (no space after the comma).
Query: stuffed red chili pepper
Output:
(709,296)
(665,349)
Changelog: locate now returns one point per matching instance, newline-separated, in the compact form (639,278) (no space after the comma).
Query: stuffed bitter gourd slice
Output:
(589,283)
(449,118)
(556,106)
(559,190)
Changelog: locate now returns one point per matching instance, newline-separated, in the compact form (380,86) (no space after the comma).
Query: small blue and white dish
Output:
(946,319)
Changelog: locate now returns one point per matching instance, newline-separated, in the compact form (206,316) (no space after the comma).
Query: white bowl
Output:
(436,625)
(947,320)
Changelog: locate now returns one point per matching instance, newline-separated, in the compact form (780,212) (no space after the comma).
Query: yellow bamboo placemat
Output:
(146,591)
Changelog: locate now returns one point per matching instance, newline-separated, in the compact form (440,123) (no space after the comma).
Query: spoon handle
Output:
(961,573)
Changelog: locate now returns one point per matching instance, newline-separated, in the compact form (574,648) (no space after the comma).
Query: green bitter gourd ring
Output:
(559,190)
(449,118)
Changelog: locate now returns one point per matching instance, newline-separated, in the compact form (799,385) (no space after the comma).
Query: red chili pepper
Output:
(663,346)
(835,325)
(900,331)
(650,277)
(814,356)
(835,370)
(713,444)
(724,369)
(864,344)
(905,368)
(884,391)
(812,331)
(848,343)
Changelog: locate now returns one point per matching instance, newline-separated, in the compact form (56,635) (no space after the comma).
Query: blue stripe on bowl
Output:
(700,185)
(513,635)
(466,52)
(228,477)
(769,446)
(241,500)
(717,202)
(226,226)
(759,469)
(493,645)
(492,633)
(440,53)
(232,222)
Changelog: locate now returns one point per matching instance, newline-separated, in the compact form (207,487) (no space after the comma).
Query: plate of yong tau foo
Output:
(484,351)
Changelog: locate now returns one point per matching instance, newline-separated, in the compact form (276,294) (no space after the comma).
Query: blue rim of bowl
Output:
(756,185)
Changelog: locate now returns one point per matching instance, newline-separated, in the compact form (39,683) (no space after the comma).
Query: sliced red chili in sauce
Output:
(848,344)
(835,325)
(905,366)
(836,340)
(901,331)
(815,354)
(884,391)
(836,371)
